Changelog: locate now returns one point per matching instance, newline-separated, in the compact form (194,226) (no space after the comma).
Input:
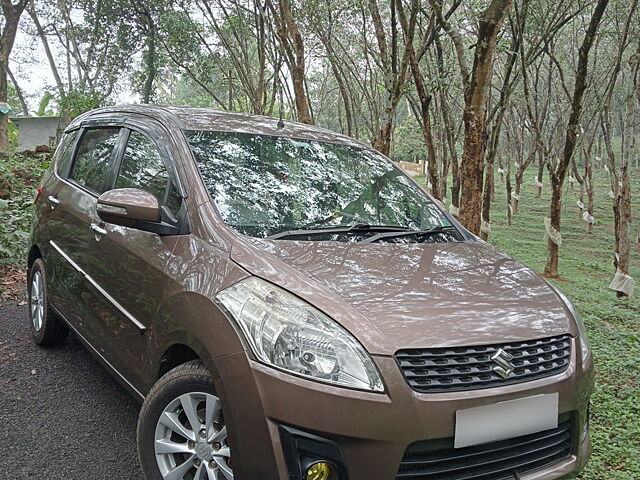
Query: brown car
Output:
(287,304)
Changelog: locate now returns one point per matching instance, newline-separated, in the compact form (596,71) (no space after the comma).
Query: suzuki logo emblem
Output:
(504,367)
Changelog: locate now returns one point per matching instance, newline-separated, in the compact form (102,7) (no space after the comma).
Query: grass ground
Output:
(613,324)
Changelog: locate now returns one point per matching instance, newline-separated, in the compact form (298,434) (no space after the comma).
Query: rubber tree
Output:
(475,83)
(408,25)
(292,43)
(558,172)
(11,13)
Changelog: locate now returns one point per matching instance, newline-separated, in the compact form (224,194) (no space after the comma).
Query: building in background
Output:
(37,132)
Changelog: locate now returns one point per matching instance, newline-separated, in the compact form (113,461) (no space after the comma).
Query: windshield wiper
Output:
(356,227)
(406,233)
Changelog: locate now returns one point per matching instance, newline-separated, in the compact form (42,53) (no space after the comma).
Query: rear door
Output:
(80,178)
(129,264)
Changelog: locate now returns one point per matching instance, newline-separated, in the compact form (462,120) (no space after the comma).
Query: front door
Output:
(129,264)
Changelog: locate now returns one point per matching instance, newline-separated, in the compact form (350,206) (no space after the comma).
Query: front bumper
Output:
(372,430)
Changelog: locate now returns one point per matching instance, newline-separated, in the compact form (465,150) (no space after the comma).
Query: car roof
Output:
(210,119)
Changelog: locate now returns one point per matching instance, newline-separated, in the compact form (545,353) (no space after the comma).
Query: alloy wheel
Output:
(190,440)
(36,300)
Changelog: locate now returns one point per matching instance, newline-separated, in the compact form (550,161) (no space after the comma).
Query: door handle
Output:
(53,201)
(98,230)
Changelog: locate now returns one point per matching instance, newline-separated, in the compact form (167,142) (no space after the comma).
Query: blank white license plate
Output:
(506,420)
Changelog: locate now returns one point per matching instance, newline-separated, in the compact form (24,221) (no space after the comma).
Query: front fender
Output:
(195,321)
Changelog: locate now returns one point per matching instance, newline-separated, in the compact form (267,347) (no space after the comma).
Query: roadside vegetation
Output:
(613,324)
(19,179)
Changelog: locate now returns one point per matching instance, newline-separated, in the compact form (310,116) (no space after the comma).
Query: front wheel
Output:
(182,434)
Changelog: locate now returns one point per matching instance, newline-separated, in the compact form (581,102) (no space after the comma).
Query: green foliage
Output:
(44,103)
(19,177)
(77,102)
(184,91)
(180,35)
(13,100)
(409,145)
(13,133)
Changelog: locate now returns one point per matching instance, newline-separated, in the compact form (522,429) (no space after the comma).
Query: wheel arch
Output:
(34,253)
(175,355)
(190,326)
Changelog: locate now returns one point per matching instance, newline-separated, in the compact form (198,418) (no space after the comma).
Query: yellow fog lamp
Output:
(321,471)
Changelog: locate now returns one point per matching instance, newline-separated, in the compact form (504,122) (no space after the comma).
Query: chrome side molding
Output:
(95,285)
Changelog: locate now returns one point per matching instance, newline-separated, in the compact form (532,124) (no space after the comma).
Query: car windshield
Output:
(264,185)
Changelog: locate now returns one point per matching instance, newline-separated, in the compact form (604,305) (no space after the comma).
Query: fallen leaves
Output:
(13,280)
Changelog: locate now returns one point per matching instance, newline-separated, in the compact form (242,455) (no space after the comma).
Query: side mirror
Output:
(132,207)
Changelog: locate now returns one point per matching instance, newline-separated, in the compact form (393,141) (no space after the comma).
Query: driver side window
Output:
(142,167)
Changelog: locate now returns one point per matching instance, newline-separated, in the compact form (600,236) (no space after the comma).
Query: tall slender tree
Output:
(11,14)
(475,83)
(558,172)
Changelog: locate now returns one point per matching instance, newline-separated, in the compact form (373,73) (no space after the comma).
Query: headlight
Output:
(585,348)
(288,333)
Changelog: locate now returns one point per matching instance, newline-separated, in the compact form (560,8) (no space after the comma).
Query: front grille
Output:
(506,459)
(455,369)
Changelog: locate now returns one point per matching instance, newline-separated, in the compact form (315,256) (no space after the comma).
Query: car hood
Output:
(395,296)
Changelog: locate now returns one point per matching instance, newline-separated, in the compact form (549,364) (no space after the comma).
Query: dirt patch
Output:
(555,279)
(13,280)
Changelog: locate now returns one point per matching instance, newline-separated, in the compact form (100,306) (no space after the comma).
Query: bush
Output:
(19,178)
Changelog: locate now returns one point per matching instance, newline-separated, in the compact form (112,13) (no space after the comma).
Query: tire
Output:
(167,442)
(46,328)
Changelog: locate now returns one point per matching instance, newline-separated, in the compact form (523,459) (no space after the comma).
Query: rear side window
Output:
(93,156)
(64,153)
(143,167)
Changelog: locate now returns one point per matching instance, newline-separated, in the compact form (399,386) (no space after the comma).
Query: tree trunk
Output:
(588,182)
(489,181)
(444,163)
(509,206)
(45,44)
(11,14)
(498,117)
(149,58)
(559,172)
(515,200)
(382,140)
(551,269)
(396,74)
(520,171)
(622,202)
(432,167)
(541,163)
(622,218)
(472,168)
(4,128)
(23,103)
(450,135)
(340,80)
(293,44)
(474,115)
(486,201)
(425,105)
